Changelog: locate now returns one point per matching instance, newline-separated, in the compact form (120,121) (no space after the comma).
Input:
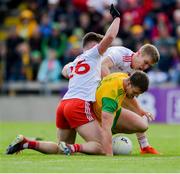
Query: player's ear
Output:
(128,83)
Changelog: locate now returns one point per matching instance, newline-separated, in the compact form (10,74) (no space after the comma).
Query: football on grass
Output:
(121,145)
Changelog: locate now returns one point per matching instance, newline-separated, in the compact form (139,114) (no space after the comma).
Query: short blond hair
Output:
(151,51)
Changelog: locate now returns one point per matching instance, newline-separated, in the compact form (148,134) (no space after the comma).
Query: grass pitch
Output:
(166,138)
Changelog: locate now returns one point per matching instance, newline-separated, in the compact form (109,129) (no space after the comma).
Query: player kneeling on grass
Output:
(109,96)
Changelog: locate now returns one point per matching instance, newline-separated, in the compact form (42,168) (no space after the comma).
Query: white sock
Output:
(25,145)
(143,141)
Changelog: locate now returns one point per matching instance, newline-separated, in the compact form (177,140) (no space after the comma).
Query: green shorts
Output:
(113,128)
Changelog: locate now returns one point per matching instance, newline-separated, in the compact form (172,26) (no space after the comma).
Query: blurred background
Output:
(38,37)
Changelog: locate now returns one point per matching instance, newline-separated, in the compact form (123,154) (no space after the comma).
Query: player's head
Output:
(137,83)
(147,56)
(90,40)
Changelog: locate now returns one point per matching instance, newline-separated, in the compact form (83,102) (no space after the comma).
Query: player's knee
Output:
(144,127)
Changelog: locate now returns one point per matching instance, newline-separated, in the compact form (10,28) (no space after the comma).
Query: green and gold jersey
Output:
(110,94)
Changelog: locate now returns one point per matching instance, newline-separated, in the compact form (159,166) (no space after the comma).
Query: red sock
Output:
(30,144)
(33,144)
(76,147)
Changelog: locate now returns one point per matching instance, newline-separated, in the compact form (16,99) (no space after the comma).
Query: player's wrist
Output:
(114,12)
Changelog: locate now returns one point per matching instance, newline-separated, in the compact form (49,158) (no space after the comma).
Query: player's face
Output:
(132,92)
(141,62)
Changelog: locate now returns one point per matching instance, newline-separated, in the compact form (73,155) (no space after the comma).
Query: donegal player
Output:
(109,97)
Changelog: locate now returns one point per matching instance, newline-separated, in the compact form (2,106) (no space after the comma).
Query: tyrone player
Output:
(74,112)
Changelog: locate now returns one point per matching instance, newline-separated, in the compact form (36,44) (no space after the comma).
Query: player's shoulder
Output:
(120,49)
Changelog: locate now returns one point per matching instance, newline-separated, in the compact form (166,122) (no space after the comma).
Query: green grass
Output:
(166,138)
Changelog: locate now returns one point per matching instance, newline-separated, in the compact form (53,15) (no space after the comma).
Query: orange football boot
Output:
(149,150)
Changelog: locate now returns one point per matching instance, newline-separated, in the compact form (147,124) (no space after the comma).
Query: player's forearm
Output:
(109,36)
(132,105)
(107,120)
(64,71)
(112,31)
(107,142)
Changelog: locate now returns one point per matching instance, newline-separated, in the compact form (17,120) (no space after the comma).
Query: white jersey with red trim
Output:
(84,75)
(121,57)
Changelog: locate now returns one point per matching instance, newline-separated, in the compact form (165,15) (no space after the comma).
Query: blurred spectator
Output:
(59,25)
(35,42)
(137,9)
(35,63)
(100,5)
(125,33)
(84,22)
(176,17)
(27,24)
(26,69)
(74,45)
(148,25)
(45,26)
(50,68)
(166,45)
(162,21)
(175,69)
(57,41)
(13,61)
(137,33)
(53,10)
(2,62)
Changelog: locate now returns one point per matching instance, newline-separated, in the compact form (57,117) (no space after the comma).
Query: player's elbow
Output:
(64,72)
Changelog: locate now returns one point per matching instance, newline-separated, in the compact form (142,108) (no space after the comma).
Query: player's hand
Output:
(114,12)
(149,116)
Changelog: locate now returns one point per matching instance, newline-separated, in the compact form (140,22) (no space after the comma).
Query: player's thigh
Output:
(66,135)
(91,131)
(130,121)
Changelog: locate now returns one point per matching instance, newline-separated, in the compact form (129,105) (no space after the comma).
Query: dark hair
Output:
(140,79)
(91,36)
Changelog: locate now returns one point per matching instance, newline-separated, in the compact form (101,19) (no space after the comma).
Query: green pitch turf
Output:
(166,138)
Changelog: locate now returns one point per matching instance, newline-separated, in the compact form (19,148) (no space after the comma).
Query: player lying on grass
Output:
(122,59)
(74,112)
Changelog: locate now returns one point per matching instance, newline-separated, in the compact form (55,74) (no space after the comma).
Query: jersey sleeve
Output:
(109,105)
(115,55)
(109,100)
